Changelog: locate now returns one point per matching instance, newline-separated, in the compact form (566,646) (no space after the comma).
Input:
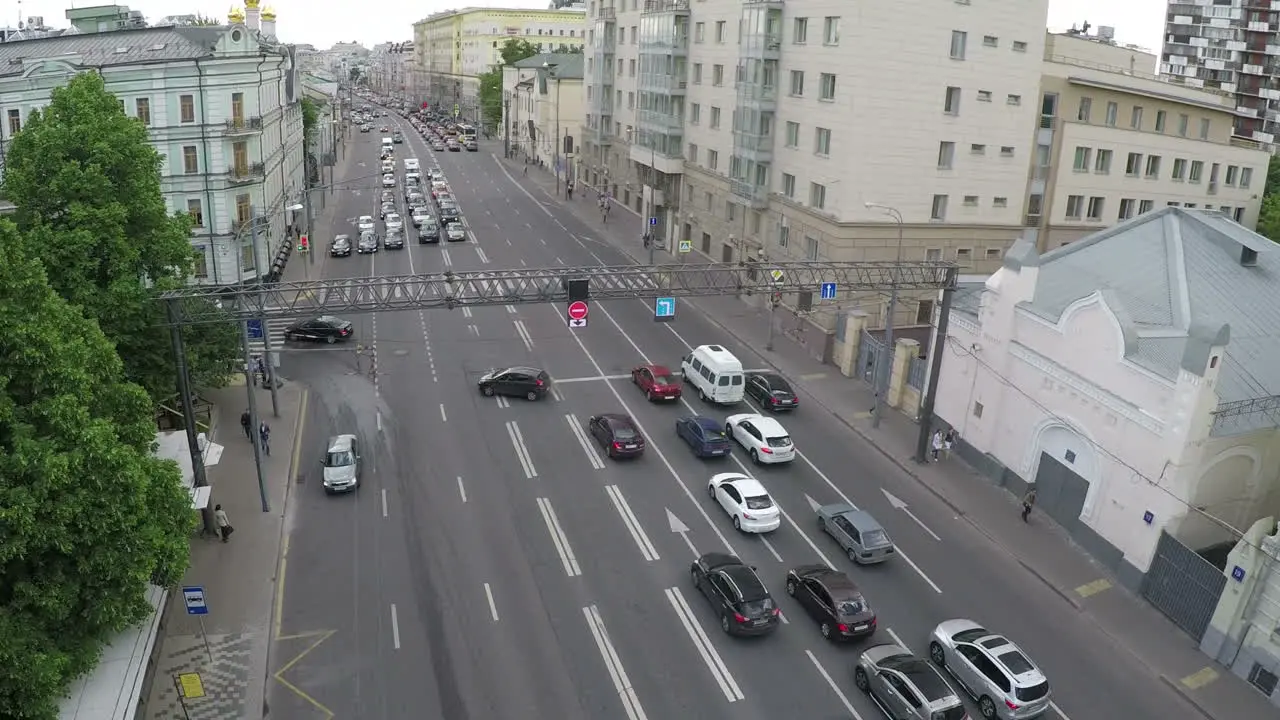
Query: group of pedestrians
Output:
(264,431)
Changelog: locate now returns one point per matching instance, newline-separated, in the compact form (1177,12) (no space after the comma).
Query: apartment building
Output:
(1114,142)
(768,127)
(390,67)
(452,49)
(1232,46)
(221,107)
(543,101)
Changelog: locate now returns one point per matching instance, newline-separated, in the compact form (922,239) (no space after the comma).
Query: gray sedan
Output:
(859,535)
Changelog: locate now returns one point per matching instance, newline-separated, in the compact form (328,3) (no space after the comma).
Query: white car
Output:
(746,501)
(394,222)
(420,214)
(365,223)
(764,438)
(456,233)
(389,180)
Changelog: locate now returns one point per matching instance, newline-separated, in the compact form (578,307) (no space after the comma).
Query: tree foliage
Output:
(355,75)
(310,118)
(89,209)
(512,51)
(1269,212)
(88,517)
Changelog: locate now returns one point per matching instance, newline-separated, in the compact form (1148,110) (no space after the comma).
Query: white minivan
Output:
(715,372)
(411,165)
(388,145)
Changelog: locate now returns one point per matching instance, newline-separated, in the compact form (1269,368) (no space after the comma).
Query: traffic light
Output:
(303,244)
(424,104)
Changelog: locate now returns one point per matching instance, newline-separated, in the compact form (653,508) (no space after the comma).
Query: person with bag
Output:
(224,524)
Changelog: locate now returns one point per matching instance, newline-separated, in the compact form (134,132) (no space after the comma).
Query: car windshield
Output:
(622,432)
(779,441)
(871,538)
(851,605)
(757,607)
(341,458)
(759,502)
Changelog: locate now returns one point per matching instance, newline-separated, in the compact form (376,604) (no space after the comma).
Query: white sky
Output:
(324,22)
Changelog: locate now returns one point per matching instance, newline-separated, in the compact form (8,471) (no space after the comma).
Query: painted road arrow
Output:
(899,504)
(678,527)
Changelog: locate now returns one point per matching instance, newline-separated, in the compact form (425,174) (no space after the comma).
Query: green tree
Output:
(88,516)
(355,75)
(89,208)
(512,51)
(516,49)
(310,119)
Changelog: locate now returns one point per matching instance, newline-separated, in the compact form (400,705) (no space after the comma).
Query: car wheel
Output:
(711,491)
(755,456)
(861,680)
(702,396)
(987,707)
(826,630)
(648,395)
(853,556)
(936,654)
(331,339)
(693,577)
(724,624)
(791,588)
(531,395)
(487,390)
(737,523)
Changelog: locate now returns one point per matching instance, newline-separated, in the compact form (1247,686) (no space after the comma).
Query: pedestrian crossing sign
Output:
(686,246)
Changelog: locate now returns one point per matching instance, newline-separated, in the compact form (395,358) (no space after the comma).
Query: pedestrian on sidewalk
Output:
(260,371)
(948,442)
(264,434)
(938,444)
(1028,501)
(568,190)
(224,524)
(526,168)
(245,422)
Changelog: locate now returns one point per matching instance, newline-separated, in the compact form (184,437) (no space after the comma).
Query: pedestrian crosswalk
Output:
(513,286)
(273,329)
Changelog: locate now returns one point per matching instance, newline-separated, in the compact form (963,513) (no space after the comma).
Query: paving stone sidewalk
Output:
(1041,546)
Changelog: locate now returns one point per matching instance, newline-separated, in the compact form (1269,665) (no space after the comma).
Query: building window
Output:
(959,39)
(717,75)
(822,141)
(1197,170)
(142,107)
(827,86)
(800,31)
(946,155)
(939,208)
(1102,163)
(831,30)
(697,73)
(817,195)
(693,153)
(1096,205)
(951,101)
(715,118)
(977,149)
(720,25)
(1246,177)
(1127,206)
(984,96)
(783,233)
(695,113)
(15,122)
(1135,118)
(788,185)
(1113,113)
(993,253)
(793,134)
(1075,207)
(244,208)
(990,41)
(196,211)
(1082,159)
(933,255)
(1179,169)
(1232,173)
(977,410)
(200,264)
(190,161)
(187,108)
(810,247)
(240,156)
(1204,128)
(1153,167)
(1015,100)
(971,201)
(1000,202)
(713,159)
(1086,108)
(1161,117)
(237,108)
(1006,151)
(1133,164)
(1019,46)
(699,32)
(797,83)
(1146,206)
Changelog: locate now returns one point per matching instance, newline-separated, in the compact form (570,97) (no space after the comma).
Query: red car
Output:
(656,382)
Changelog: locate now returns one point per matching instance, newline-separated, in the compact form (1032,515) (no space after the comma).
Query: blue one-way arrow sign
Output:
(828,291)
(664,308)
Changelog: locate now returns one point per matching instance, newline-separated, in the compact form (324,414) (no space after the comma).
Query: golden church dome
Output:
(235,16)
(269,14)
(252,4)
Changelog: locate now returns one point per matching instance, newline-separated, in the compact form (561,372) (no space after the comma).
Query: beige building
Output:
(1114,141)
(542,100)
(452,49)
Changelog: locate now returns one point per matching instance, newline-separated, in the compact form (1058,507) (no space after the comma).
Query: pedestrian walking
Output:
(948,442)
(1028,501)
(937,444)
(223,523)
(526,168)
(260,369)
(264,434)
(245,422)
(568,189)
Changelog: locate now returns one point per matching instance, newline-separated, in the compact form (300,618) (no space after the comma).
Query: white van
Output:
(715,372)
(388,144)
(411,165)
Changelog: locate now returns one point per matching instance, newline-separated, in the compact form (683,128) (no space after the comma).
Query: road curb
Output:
(1177,688)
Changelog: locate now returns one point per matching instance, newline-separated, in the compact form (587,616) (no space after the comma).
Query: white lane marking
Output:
(443,416)
(555,394)
(474,330)
(559,261)
(384,502)
(511,309)
(844,700)
(896,639)
(523,263)
(522,452)
(612,663)
(502,401)
(654,446)
(444,256)
(597,258)
(493,606)
(395,627)
(379,421)
(462,489)
(508,241)
(1058,710)
(466,312)
(562,227)
(483,258)
(558,538)
(647,549)
(703,645)
(523,332)
(584,440)
(772,551)
(598,378)
(898,503)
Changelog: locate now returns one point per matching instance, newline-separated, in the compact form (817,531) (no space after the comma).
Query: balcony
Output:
(601,104)
(660,121)
(752,145)
(607,14)
(664,84)
(756,195)
(597,136)
(239,174)
(242,126)
(665,6)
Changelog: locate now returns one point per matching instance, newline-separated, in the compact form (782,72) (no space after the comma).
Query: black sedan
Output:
(449,214)
(617,434)
(771,392)
(832,599)
(394,240)
(704,435)
(340,247)
(736,594)
(526,382)
(368,243)
(326,328)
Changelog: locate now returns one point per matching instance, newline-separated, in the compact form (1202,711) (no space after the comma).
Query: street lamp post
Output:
(883,364)
(550,67)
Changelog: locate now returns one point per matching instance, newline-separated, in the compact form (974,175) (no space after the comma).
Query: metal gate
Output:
(1060,492)
(870,352)
(1183,585)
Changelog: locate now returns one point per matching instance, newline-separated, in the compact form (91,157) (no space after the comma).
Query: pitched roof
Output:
(568,65)
(152,44)
(1179,280)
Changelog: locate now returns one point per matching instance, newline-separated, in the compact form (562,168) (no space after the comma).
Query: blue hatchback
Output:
(705,436)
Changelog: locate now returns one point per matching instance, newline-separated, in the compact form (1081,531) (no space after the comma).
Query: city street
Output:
(494,564)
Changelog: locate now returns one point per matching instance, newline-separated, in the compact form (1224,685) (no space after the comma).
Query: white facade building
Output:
(543,100)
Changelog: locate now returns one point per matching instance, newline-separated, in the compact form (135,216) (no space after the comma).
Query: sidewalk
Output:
(1040,546)
(239,577)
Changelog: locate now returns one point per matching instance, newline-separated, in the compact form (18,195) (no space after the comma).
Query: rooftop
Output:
(119,47)
(568,66)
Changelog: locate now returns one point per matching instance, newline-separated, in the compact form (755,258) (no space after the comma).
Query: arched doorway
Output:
(1066,467)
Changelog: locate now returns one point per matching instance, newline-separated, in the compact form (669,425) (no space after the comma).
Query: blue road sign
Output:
(193,595)
(828,291)
(653,221)
(664,307)
(1237,573)
(255,329)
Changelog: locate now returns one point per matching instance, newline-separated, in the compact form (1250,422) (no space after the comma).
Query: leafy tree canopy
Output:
(88,517)
(89,208)
(310,117)
(512,51)
(355,74)
(516,49)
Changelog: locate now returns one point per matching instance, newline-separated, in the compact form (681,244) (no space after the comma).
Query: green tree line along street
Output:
(88,516)
(512,51)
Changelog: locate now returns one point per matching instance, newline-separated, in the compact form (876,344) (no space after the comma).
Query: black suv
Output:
(771,392)
(832,599)
(526,382)
(736,594)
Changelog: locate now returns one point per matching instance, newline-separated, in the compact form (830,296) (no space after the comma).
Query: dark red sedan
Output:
(617,434)
(656,382)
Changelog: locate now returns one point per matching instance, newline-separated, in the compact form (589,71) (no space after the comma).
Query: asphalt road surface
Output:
(494,565)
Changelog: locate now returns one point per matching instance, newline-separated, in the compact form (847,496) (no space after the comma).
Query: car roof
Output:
(708,423)
(332,319)
(618,418)
(339,443)
(714,560)
(523,369)
(861,519)
(772,377)
(922,675)
(837,581)
(343,236)
(747,581)
(767,425)
(658,369)
(749,486)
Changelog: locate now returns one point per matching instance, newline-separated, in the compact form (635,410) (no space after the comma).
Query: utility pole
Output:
(199,478)
(885,357)
(255,424)
(269,376)
(653,173)
(555,148)
(506,126)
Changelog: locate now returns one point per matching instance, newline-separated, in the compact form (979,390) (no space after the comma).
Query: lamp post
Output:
(550,67)
(882,365)
(646,206)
